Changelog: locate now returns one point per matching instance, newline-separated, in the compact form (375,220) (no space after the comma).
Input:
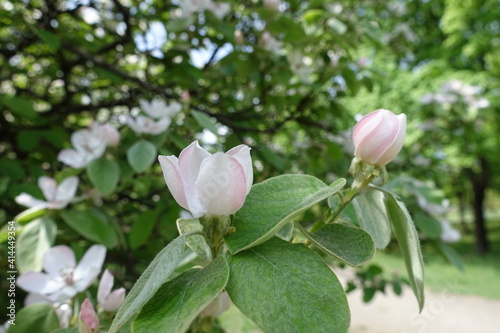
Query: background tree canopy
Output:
(286,78)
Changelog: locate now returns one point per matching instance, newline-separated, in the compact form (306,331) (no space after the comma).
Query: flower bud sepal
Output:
(214,228)
(364,173)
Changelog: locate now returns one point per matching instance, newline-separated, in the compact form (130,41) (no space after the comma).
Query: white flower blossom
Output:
(88,145)
(63,278)
(57,196)
(109,300)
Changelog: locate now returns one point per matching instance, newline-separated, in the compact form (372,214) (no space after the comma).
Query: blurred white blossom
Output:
(57,196)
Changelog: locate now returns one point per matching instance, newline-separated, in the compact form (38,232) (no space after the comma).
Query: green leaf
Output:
(104,175)
(141,155)
(157,273)
(142,228)
(48,37)
(273,203)
(428,225)
(30,214)
(34,240)
(92,225)
(286,287)
(204,121)
(180,300)
(197,243)
(350,244)
(450,254)
(19,106)
(372,216)
(39,317)
(407,237)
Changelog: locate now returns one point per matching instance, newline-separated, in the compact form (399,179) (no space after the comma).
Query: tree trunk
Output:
(461,209)
(479,182)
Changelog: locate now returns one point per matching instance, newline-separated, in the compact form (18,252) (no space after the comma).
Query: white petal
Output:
(242,154)
(173,179)
(62,295)
(133,125)
(108,133)
(33,298)
(73,158)
(114,300)
(159,126)
(221,184)
(39,283)
(58,259)
(105,286)
(64,312)
(155,109)
(48,187)
(173,108)
(67,189)
(89,267)
(28,200)
(88,144)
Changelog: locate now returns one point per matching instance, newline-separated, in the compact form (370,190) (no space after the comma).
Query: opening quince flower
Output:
(89,144)
(379,136)
(143,124)
(63,279)
(57,197)
(209,184)
(89,321)
(109,301)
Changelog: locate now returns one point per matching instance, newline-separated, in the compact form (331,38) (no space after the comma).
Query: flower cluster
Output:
(157,119)
(455,91)
(88,145)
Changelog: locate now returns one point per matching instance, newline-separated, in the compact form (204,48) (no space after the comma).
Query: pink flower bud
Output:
(89,321)
(209,184)
(379,136)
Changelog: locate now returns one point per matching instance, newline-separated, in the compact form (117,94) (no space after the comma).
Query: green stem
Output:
(214,228)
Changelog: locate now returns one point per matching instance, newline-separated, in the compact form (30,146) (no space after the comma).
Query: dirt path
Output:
(444,312)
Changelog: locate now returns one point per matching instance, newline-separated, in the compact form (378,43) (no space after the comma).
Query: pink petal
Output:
(48,187)
(155,109)
(39,283)
(89,316)
(190,160)
(114,300)
(58,259)
(173,179)
(28,200)
(366,125)
(105,286)
(108,133)
(67,189)
(221,184)
(242,154)
(396,144)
